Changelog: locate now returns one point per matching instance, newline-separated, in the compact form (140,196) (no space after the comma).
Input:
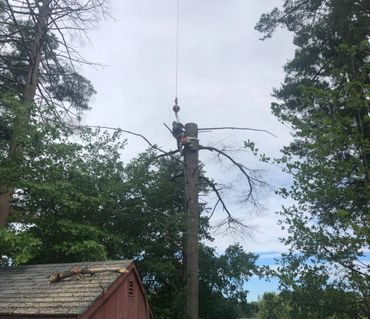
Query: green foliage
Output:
(18,246)
(80,202)
(73,199)
(325,99)
(272,306)
(38,82)
(60,194)
(251,310)
(306,304)
(61,91)
(222,281)
(329,302)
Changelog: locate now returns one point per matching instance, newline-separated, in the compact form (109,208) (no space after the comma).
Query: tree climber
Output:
(177,128)
(178,133)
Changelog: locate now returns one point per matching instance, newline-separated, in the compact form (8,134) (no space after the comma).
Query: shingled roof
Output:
(26,290)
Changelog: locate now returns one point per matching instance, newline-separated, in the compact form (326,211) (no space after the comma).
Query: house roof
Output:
(26,290)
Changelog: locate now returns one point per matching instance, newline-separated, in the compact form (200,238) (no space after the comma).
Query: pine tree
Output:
(325,100)
(38,75)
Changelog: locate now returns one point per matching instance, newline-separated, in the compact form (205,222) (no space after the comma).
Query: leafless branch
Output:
(121,130)
(238,165)
(210,129)
(170,153)
(214,209)
(168,128)
(15,21)
(218,194)
(230,221)
(234,227)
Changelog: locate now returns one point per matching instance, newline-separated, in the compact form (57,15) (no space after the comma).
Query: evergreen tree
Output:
(37,71)
(325,100)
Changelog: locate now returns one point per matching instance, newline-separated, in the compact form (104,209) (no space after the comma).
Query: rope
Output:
(176,107)
(177,43)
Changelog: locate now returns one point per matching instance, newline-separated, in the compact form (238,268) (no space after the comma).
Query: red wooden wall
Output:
(124,300)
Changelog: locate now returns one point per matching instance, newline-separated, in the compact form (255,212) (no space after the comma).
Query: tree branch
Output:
(238,165)
(170,153)
(230,221)
(75,271)
(210,129)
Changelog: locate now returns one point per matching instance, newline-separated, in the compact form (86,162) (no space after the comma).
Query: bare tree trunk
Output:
(185,261)
(36,52)
(5,197)
(29,91)
(191,173)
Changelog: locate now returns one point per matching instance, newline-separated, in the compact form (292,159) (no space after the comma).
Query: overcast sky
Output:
(226,76)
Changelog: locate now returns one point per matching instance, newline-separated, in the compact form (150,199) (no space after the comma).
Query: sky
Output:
(225,78)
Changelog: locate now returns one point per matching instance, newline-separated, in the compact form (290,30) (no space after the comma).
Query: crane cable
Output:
(177,43)
(176,107)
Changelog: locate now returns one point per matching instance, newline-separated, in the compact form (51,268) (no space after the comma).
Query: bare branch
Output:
(128,132)
(218,194)
(170,153)
(230,221)
(214,209)
(238,165)
(210,129)
(15,21)
(234,227)
(168,128)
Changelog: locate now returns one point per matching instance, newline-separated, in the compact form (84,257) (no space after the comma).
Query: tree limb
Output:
(210,129)
(75,271)
(121,130)
(238,165)
(231,221)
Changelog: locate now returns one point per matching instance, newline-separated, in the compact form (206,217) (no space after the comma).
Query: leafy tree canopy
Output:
(77,201)
(325,100)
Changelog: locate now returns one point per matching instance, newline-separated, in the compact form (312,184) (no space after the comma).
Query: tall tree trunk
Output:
(5,197)
(36,52)
(185,262)
(191,173)
(29,91)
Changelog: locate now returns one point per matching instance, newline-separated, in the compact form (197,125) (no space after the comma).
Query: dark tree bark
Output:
(29,91)
(191,249)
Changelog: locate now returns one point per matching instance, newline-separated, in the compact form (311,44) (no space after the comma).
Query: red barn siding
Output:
(124,300)
(105,295)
